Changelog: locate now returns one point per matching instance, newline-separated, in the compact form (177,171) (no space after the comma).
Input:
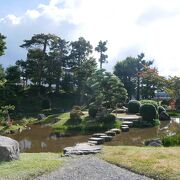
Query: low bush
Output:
(171,140)
(134,106)
(161,109)
(146,101)
(110,118)
(148,112)
(75,117)
(146,124)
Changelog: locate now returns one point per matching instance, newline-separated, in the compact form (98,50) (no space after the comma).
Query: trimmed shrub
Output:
(146,101)
(93,111)
(148,112)
(134,106)
(161,109)
(110,118)
(75,116)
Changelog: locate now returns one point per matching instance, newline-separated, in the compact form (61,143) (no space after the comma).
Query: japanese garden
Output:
(60,102)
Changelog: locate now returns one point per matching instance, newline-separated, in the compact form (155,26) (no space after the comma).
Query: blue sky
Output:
(131,27)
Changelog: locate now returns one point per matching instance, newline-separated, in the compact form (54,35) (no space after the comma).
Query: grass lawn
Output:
(159,163)
(29,166)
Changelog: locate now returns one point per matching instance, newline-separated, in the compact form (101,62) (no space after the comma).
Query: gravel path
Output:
(91,168)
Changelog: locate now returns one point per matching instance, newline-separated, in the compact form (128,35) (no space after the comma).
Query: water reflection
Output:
(25,144)
(40,138)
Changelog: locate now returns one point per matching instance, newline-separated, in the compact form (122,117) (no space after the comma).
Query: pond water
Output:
(39,138)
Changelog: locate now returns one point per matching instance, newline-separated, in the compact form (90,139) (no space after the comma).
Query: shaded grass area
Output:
(159,163)
(29,166)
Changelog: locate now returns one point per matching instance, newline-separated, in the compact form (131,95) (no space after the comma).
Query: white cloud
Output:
(33,14)
(129,26)
(15,20)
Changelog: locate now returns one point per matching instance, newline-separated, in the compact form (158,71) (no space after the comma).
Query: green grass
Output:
(29,166)
(174,113)
(87,124)
(159,163)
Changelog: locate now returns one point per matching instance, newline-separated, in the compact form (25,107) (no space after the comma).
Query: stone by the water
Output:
(125,129)
(153,142)
(99,140)
(107,138)
(98,134)
(41,116)
(110,133)
(82,149)
(129,123)
(117,131)
(9,149)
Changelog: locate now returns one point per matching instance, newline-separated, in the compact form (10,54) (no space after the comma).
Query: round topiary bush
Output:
(147,101)
(110,118)
(134,106)
(148,112)
(93,111)
(161,109)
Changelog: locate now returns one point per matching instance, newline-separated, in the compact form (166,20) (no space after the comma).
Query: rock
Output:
(106,138)
(153,142)
(117,131)
(99,140)
(82,149)
(110,133)
(9,149)
(98,134)
(125,128)
(41,116)
(164,116)
(129,123)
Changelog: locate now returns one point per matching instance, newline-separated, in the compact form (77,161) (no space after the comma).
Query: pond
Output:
(37,138)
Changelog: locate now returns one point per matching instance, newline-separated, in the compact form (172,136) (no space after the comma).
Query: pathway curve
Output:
(91,168)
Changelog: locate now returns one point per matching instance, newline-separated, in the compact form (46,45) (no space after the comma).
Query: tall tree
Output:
(125,70)
(13,74)
(2,44)
(43,42)
(101,48)
(79,56)
(141,64)
(129,71)
(58,56)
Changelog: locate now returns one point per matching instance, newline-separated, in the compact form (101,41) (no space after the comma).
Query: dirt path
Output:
(91,168)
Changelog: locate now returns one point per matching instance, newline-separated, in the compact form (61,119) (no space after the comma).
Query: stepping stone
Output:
(124,126)
(93,142)
(82,149)
(110,133)
(125,129)
(117,131)
(129,123)
(98,134)
(99,140)
(106,138)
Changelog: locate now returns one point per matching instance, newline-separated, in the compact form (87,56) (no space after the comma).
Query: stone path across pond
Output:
(91,168)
